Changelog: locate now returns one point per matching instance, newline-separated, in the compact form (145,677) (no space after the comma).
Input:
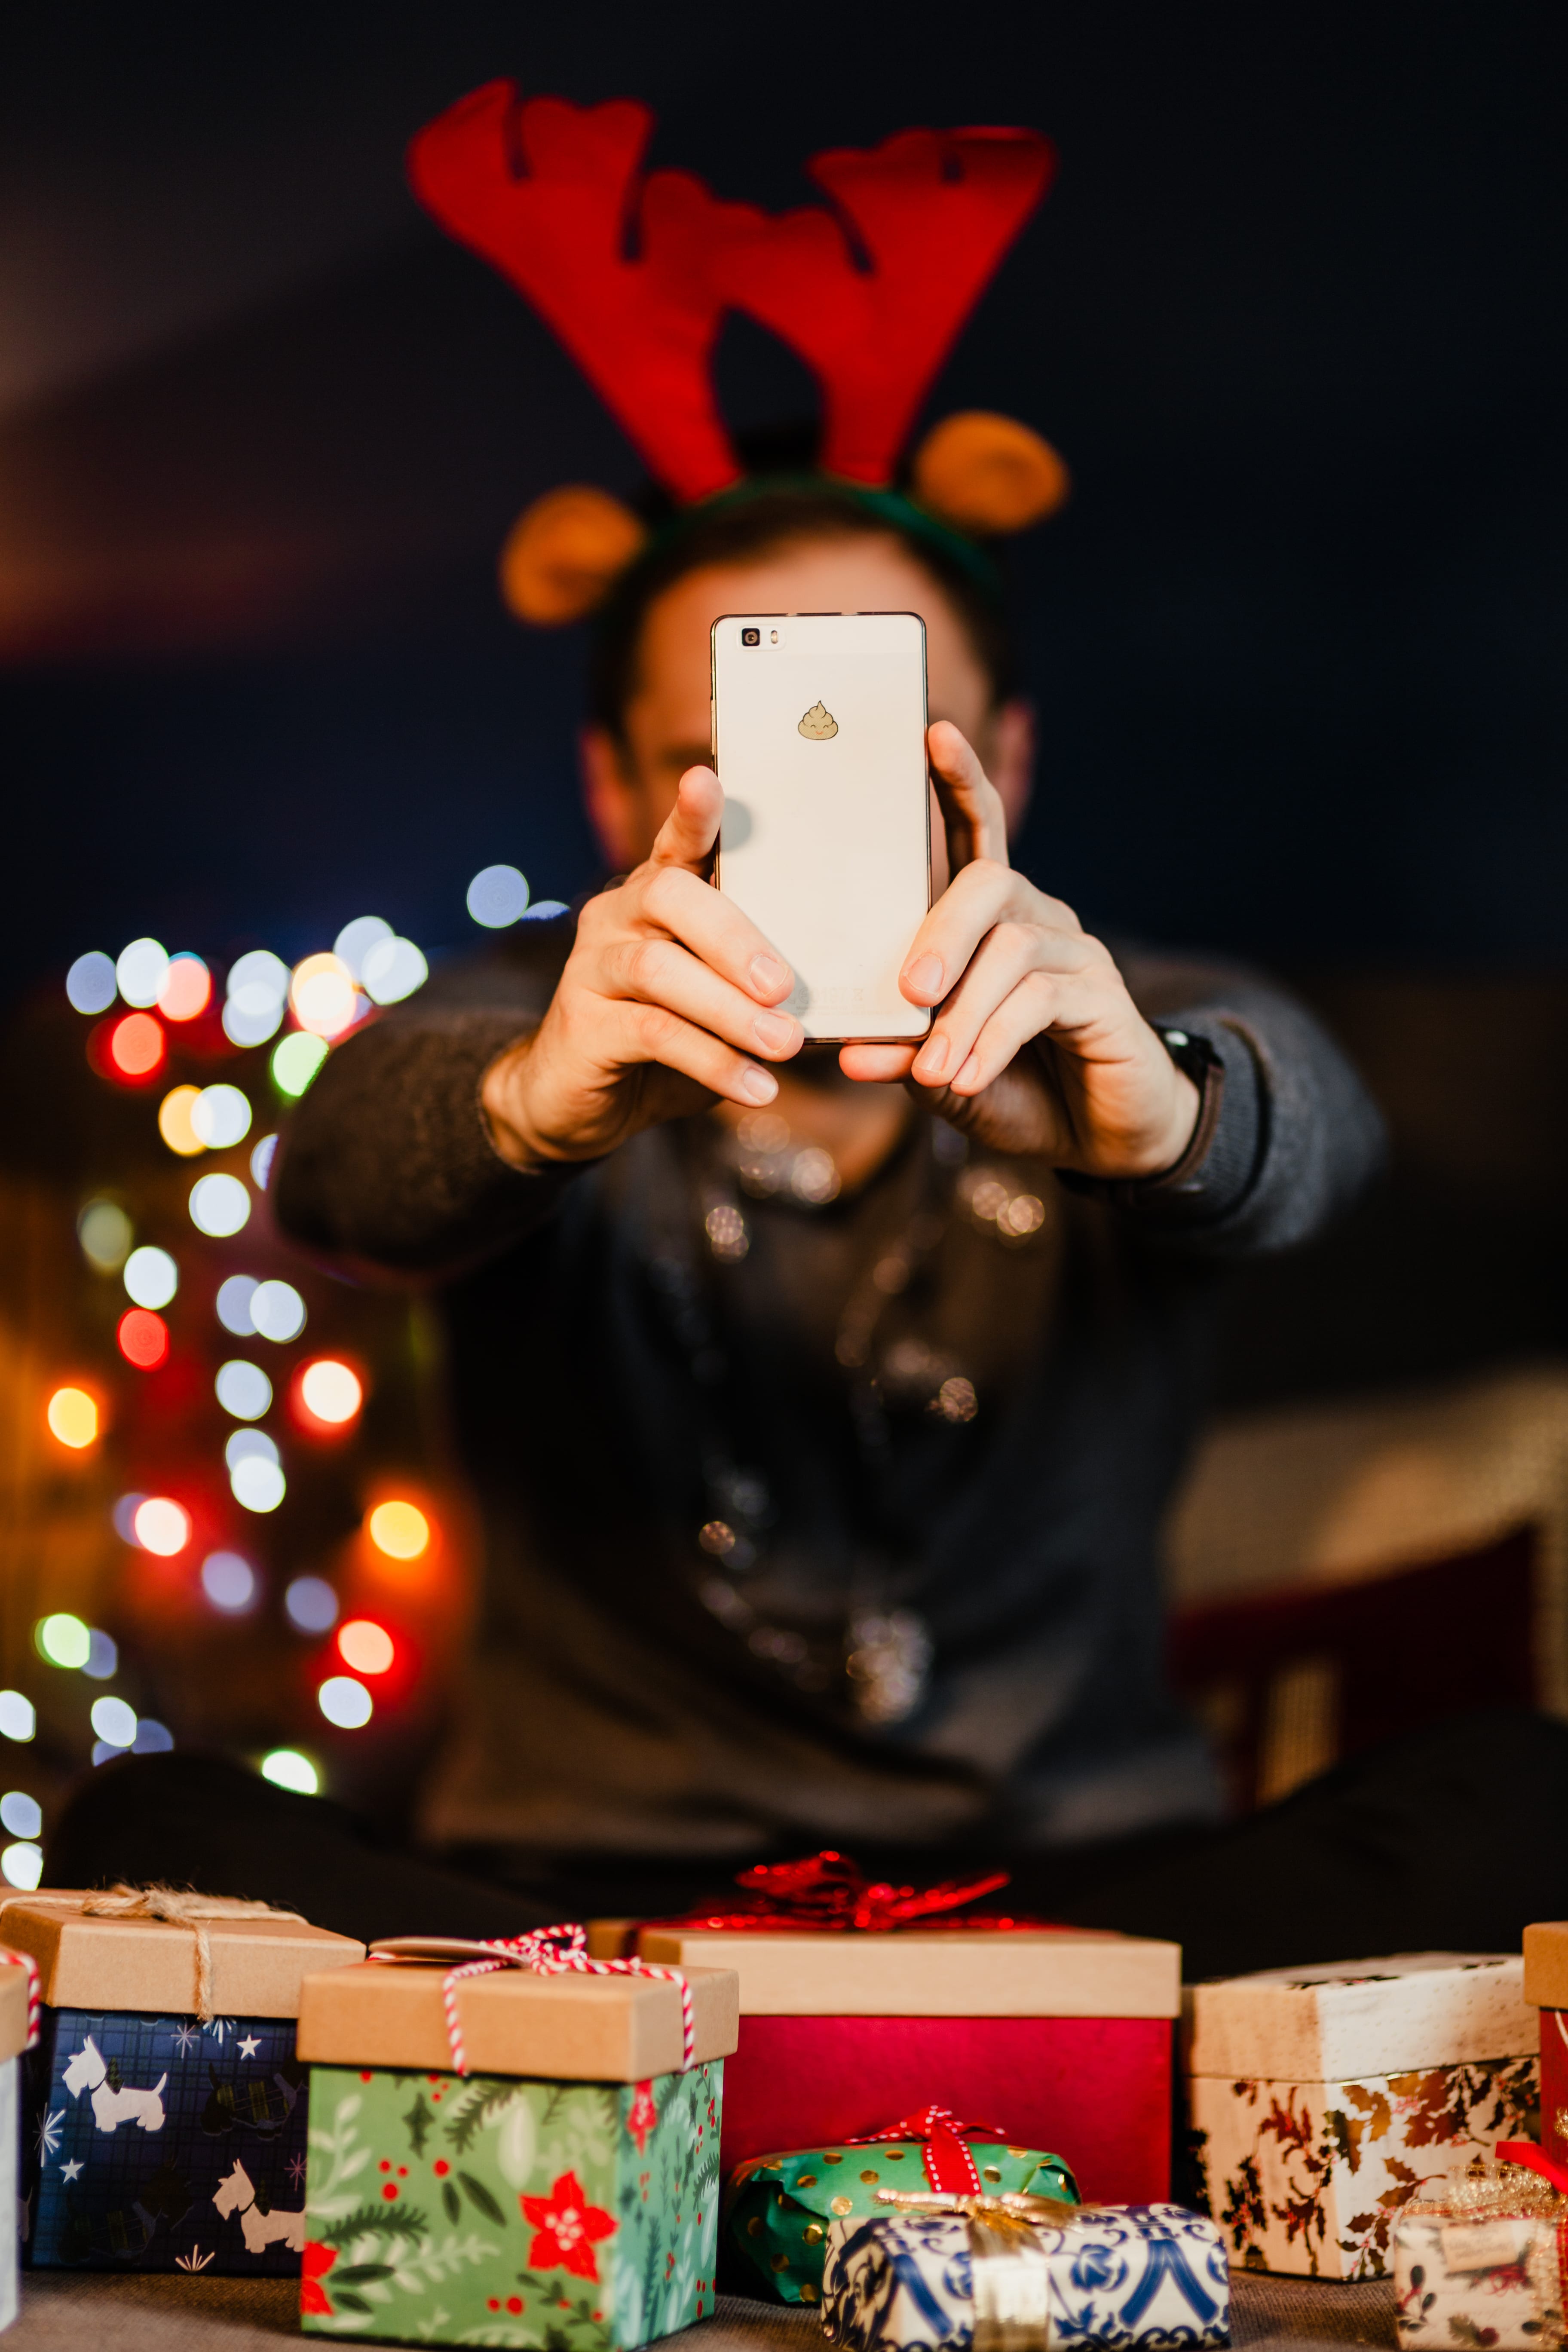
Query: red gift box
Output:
(1546,1987)
(1060,2036)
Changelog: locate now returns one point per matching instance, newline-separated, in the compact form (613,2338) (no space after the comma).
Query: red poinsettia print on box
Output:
(313,2299)
(642,2116)
(568,2227)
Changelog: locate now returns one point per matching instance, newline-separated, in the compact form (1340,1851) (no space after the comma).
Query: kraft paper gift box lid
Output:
(148,1966)
(1546,1964)
(946,1972)
(568,2028)
(1343,2020)
(16,1979)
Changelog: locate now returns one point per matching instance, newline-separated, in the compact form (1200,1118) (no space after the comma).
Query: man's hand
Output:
(1037,1046)
(666,998)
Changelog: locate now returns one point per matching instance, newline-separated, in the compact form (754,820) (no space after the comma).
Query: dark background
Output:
(1292,313)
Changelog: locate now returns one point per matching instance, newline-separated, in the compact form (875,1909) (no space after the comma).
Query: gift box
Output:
(1546,1989)
(524,2156)
(163,2107)
(1480,2263)
(1024,2271)
(1321,2098)
(18,2025)
(1063,2036)
(779,2208)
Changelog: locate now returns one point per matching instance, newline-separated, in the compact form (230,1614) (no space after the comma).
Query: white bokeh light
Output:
(21,1814)
(277,1311)
(230,1582)
(311,1604)
(257,990)
(220,1205)
(141,970)
(18,1716)
(161,1525)
(345,1702)
(221,1116)
(498,895)
(261,1162)
(114,1721)
(254,1474)
(233,1304)
(285,1768)
(90,985)
(392,969)
(243,1390)
(355,940)
(150,1277)
(22,1864)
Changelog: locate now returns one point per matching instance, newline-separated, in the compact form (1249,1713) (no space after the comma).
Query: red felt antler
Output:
(935,212)
(547,191)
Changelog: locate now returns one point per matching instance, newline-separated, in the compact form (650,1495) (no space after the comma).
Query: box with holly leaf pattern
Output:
(563,2194)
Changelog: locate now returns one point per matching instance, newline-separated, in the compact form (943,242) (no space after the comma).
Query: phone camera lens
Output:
(751,637)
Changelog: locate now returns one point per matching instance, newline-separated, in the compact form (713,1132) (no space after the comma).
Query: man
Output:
(822,1409)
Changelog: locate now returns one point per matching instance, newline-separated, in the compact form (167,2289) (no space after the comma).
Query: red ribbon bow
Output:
(827,1891)
(1534,2160)
(949,2165)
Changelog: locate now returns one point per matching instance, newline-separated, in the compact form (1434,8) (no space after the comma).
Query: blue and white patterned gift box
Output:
(1131,2276)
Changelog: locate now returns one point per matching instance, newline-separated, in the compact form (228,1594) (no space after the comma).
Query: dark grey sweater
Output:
(826,1523)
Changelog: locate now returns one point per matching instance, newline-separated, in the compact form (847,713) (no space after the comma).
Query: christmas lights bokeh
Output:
(235,1470)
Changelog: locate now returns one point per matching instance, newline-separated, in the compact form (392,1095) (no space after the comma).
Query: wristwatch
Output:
(1196,1059)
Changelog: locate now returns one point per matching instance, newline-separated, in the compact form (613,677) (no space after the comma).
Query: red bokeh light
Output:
(136,1047)
(143,1338)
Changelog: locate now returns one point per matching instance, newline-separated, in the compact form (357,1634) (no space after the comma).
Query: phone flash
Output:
(773,636)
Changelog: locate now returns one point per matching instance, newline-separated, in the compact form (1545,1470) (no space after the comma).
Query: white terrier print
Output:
(235,2194)
(89,2071)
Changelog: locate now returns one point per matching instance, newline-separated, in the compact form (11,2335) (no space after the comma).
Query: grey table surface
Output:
(92,2313)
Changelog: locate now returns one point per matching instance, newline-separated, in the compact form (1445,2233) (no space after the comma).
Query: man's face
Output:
(630,786)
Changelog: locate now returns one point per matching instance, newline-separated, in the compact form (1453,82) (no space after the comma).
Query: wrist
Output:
(504,1107)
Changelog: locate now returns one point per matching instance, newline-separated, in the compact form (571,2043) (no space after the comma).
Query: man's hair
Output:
(776,515)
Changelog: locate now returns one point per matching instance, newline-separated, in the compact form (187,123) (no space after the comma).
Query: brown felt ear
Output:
(988,474)
(563,553)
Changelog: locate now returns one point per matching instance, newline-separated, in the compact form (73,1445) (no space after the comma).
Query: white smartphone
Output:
(819,740)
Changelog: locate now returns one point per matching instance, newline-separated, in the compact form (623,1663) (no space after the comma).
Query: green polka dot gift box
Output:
(512,2146)
(779,2208)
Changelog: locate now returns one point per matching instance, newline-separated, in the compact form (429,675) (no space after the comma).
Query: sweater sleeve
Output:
(387,1165)
(1297,1139)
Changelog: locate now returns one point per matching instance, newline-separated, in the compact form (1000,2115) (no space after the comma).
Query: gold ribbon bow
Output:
(1012,2271)
(183,1908)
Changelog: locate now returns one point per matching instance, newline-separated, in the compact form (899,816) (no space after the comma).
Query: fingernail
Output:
(933,1058)
(769,974)
(924,975)
(773,1029)
(757,1086)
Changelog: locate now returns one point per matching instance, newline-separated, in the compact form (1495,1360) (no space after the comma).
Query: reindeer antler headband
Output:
(870,294)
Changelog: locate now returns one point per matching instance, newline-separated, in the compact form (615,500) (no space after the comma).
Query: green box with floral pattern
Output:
(574,2216)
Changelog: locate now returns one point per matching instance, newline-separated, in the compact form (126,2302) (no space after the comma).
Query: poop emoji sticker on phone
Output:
(818,724)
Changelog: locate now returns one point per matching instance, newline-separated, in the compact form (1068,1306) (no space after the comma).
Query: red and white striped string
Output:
(548,1952)
(26,1960)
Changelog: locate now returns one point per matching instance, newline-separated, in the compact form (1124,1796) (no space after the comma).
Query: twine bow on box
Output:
(176,1907)
(548,1952)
